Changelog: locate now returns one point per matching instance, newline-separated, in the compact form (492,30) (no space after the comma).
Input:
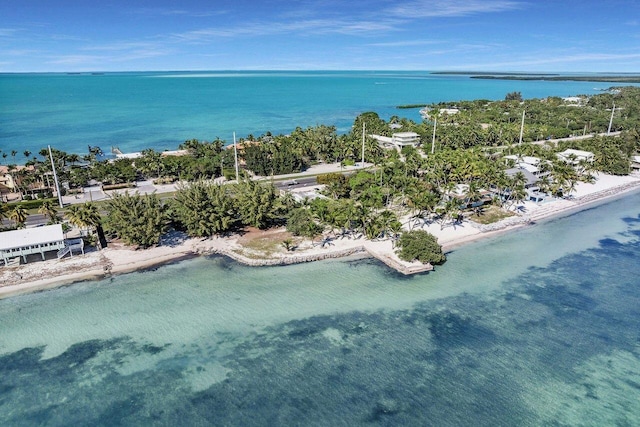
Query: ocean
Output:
(536,327)
(540,326)
(160,110)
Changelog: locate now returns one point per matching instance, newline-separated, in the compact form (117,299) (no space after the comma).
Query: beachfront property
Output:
(461,193)
(138,154)
(528,163)
(398,140)
(425,112)
(635,163)
(28,241)
(575,157)
(577,101)
(13,185)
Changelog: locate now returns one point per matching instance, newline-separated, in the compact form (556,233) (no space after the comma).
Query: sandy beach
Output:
(249,248)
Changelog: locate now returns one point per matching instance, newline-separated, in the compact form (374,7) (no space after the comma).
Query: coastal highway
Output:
(292,184)
(306,179)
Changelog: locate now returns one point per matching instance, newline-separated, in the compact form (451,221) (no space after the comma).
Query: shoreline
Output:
(117,259)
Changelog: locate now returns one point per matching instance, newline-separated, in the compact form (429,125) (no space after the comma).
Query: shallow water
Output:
(536,327)
(135,111)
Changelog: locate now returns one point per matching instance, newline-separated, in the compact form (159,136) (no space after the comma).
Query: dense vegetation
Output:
(466,169)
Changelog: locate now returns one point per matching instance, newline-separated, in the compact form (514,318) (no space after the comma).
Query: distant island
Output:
(487,75)
(608,79)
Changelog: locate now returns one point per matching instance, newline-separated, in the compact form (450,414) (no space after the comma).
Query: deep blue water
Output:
(537,327)
(134,111)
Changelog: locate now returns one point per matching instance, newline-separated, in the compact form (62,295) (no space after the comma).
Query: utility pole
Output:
(55,178)
(522,127)
(433,140)
(363,133)
(235,153)
(611,119)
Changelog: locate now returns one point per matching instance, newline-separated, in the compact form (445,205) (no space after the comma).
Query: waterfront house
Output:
(398,140)
(27,241)
(575,157)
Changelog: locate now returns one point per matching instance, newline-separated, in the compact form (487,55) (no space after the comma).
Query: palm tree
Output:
(87,216)
(48,210)
(3,210)
(19,216)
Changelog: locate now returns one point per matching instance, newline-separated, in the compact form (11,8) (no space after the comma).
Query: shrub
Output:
(420,245)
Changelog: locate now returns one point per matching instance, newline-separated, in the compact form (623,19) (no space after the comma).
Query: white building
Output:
(398,140)
(574,157)
(528,163)
(27,241)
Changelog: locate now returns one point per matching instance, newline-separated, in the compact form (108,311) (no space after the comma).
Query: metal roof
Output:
(31,236)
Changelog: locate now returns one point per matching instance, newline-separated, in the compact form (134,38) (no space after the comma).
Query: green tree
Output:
(257,203)
(87,216)
(513,96)
(204,209)
(48,210)
(420,245)
(18,215)
(137,220)
(302,223)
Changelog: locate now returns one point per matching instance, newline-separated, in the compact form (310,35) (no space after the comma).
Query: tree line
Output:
(466,169)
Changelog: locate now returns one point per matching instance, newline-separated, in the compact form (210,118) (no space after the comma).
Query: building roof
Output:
(531,178)
(405,135)
(577,153)
(524,159)
(31,236)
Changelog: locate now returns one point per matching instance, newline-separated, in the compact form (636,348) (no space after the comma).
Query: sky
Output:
(429,35)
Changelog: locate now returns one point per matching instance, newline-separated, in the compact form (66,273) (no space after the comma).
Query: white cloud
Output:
(608,59)
(310,26)
(403,43)
(75,60)
(8,32)
(178,12)
(451,8)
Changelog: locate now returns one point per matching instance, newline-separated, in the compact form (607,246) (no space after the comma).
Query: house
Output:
(398,140)
(404,139)
(528,163)
(575,157)
(13,182)
(27,241)
(530,185)
(461,193)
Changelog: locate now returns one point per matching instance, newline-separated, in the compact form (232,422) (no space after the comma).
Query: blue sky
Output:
(495,35)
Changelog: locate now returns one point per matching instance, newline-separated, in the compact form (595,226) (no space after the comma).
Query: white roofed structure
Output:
(576,156)
(27,241)
(398,140)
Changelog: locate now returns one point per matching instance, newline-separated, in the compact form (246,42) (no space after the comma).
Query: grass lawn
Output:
(266,243)
(490,214)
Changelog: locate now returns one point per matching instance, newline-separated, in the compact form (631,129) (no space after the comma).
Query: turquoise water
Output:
(536,327)
(160,110)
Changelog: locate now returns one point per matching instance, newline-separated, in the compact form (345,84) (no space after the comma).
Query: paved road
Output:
(293,184)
